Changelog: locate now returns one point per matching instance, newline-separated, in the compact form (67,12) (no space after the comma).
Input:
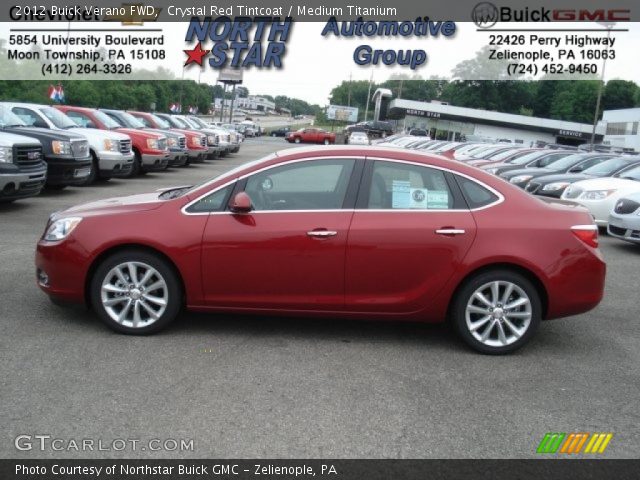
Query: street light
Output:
(608,26)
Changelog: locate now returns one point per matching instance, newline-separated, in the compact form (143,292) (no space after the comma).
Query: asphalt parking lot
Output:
(244,387)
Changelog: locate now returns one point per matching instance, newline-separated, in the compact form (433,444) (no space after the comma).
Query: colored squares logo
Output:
(572,443)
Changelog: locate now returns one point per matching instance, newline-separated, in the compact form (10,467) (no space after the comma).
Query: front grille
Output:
(572,192)
(532,187)
(80,148)
(27,156)
(162,144)
(125,147)
(617,230)
(203,141)
(625,206)
(182,142)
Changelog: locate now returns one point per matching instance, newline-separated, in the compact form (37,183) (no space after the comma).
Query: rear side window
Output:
(475,194)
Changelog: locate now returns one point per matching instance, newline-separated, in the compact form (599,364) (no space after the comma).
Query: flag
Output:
(56,93)
(193,110)
(175,108)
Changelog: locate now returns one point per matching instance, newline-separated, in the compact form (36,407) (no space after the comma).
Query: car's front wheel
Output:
(297,140)
(326,141)
(497,312)
(135,292)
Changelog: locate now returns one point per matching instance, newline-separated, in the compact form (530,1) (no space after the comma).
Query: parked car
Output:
(506,156)
(535,159)
(231,135)
(477,249)
(195,142)
(111,153)
(216,143)
(359,138)
(311,135)
(554,185)
(624,220)
(280,132)
(150,149)
(418,132)
(600,195)
(23,171)
(574,163)
(373,128)
(66,153)
(176,142)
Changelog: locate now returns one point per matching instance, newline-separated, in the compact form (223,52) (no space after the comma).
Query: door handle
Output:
(322,233)
(450,231)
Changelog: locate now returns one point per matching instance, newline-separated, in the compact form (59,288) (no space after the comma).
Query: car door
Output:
(289,252)
(411,229)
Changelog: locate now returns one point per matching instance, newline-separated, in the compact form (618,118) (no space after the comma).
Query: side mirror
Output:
(241,203)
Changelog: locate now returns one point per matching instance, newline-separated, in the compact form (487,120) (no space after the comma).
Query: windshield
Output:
(607,167)
(485,151)
(567,162)
(190,123)
(198,122)
(59,119)
(181,123)
(107,120)
(9,119)
(161,122)
(501,155)
(528,157)
(130,121)
(632,174)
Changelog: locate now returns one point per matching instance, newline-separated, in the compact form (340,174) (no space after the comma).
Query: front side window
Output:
(310,185)
(214,202)
(400,186)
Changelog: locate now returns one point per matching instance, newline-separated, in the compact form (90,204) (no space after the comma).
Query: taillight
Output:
(587,233)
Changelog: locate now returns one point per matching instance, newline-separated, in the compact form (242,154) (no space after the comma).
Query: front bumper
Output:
(60,270)
(22,184)
(67,170)
(625,227)
(114,164)
(152,162)
(178,158)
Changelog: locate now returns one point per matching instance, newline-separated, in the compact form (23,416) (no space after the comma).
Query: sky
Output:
(314,64)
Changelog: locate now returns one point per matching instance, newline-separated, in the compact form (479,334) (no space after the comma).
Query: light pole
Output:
(609,26)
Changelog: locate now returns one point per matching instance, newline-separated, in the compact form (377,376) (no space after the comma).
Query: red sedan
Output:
(311,135)
(353,232)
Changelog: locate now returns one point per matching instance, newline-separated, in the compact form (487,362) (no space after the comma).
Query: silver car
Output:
(624,221)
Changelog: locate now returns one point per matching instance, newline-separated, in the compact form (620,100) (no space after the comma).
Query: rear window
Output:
(475,194)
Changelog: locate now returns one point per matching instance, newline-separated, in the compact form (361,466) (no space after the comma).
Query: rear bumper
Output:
(22,184)
(64,171)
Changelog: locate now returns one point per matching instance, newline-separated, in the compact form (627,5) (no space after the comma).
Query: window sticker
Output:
(400,194)
(438,199)
(419,198)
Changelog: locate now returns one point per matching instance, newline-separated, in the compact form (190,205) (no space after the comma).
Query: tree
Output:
(619,94)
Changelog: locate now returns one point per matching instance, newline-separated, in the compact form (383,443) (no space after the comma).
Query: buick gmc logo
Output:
(33,155)
(486,15)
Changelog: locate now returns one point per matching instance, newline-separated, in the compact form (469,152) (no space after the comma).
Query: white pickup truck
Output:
(23,170)
(111,152)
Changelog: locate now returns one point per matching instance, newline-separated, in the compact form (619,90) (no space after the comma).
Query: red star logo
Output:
(195,55)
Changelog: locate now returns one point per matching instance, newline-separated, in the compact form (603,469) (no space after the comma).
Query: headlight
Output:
(552,187)
(60,229)
(171,142)
(521,178)
(6,155)
(152,143)
(111,145)
(61,148)
(211,139)
(596,194)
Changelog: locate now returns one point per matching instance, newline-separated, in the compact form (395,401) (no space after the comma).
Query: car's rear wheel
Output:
(135,292)
(297,140)
(497,312)
(326,141)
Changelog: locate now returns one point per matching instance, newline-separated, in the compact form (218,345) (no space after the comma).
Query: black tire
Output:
(164,270)
(326,141)
(94,173)
(274,135)
(136,167)
(56,187)
(464,296)
(297,140)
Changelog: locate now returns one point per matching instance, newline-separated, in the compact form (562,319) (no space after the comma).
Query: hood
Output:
(536,172)
(9,139)
(166,133)
(563,177)
(96,133)
(130,203)
(47,134)
(139,133)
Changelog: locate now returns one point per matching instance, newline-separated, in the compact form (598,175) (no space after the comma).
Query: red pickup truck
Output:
(311,135)
(150,149)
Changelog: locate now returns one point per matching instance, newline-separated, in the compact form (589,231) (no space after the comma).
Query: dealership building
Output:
(622,128)
(448,122)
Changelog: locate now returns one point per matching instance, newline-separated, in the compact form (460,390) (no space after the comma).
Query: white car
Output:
(599,195)
(359,138)
(111,151)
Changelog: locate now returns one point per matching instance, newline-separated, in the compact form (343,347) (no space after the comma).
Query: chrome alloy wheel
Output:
(134,294)
(498,313)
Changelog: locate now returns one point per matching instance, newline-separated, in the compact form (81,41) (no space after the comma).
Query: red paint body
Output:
(194,137)
(310,135)
(138,137)
(380,264)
